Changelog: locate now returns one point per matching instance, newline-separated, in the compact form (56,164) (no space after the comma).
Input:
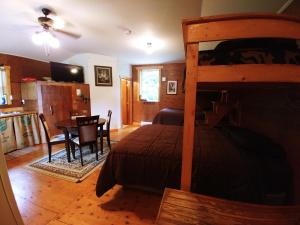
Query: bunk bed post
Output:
(189,115)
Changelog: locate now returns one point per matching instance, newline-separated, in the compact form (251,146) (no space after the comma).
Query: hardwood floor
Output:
(47,200)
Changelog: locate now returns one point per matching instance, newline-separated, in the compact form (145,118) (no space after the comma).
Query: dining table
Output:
(70,127)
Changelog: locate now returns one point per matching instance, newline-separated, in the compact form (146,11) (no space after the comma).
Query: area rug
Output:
(73,171)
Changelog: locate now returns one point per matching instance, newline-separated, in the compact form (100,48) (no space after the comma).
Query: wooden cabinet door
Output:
(57,105)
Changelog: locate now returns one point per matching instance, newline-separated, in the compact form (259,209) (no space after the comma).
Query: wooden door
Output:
(57,105)
(126,102)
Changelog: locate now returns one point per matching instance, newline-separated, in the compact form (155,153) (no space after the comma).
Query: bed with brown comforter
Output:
(222,165)
(169,116)
(172,116)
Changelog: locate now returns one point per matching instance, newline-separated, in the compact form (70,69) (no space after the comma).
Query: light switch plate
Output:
(163,79)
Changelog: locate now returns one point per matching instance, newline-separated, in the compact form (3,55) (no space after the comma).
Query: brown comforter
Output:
(151,157)
(171,116)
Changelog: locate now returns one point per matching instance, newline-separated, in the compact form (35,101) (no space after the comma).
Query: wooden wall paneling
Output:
(8,84)
(189,116)
(16,93)
(172,72)
(22,67)
(35,69)
(145,111)
(150,109)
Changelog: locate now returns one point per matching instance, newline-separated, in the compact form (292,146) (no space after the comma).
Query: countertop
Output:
(5,115)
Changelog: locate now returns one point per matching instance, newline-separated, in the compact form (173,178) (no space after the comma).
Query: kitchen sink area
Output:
(18,129)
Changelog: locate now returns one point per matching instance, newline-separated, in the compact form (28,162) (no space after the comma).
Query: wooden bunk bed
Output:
(229,27)
(219,28)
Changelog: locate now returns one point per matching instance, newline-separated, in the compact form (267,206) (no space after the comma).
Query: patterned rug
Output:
(60,167)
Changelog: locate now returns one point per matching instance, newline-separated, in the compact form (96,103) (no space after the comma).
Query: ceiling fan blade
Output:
(73,35)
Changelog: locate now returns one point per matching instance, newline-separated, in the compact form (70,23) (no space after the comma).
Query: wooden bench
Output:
(184,208)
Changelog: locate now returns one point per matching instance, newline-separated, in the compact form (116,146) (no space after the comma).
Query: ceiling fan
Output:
(54,24)
(50,25)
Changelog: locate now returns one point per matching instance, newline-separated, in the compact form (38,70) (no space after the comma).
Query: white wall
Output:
(103,98)
(124,69)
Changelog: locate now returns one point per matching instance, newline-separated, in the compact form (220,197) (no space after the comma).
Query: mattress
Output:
(151,157)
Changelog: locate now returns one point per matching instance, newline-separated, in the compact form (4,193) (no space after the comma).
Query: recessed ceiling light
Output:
(149,43)
(149,48)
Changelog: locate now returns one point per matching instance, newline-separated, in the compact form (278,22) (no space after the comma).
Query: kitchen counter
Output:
(12,114)
(19,130)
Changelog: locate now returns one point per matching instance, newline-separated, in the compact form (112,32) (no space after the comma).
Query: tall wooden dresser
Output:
(57,101)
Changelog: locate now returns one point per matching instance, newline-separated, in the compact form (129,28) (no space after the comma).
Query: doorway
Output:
(126,101)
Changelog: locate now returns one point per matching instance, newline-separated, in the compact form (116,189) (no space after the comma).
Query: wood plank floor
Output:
(46,200)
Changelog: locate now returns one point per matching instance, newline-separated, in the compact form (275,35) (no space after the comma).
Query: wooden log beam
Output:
(189,116)
(250,73)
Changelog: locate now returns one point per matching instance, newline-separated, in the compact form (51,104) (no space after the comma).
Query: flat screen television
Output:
(66,72)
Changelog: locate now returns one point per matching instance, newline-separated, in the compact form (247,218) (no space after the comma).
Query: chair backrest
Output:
(108,120)
(87,129)
(45,126)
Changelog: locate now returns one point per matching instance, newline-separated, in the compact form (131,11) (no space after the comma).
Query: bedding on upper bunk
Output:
(151,157)
(252,51)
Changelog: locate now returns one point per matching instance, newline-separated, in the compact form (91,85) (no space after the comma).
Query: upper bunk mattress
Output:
(252,51)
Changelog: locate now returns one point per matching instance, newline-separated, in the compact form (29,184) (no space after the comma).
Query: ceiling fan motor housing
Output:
(45,21)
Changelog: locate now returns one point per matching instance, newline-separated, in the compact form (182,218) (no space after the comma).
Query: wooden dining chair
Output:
(106,132)
(87,134)
(51,140)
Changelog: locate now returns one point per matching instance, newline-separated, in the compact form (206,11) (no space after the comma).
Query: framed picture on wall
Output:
(103,76)
(172,87)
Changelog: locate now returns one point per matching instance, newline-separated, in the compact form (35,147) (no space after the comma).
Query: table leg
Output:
(101,138)
(67,144)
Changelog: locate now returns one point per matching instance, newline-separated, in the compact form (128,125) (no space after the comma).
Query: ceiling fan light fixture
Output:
(36,39)
(45,38)
(58,23)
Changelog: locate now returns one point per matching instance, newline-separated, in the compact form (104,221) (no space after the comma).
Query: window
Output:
(5,92)
(149,79)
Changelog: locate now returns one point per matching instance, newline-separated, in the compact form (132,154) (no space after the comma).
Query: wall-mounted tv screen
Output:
(66,72)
